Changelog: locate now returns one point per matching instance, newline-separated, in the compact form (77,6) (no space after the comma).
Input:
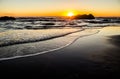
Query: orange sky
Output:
(59,7)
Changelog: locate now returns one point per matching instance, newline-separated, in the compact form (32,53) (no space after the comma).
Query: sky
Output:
(59,7)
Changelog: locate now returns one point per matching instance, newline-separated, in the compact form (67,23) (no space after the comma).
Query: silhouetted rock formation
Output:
(85,16)
(5,18)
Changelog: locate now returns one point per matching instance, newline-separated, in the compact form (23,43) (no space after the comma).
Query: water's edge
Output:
(71,42)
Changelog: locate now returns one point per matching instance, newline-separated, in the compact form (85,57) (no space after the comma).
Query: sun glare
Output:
(70,14)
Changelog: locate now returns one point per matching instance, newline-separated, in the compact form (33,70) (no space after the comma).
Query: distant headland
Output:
(84,16)
(6,18)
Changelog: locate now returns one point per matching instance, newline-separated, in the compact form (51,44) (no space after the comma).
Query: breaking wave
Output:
(26,36)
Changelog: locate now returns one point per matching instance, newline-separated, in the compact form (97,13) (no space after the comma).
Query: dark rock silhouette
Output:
(84,16)
(5,18)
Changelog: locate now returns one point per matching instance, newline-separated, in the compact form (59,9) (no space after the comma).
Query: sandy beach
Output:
(60,39)
(92,54)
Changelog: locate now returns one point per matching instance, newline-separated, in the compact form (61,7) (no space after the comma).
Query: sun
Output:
(70,14)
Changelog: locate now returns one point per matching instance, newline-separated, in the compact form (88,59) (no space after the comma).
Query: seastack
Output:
(5,18)
(85,16)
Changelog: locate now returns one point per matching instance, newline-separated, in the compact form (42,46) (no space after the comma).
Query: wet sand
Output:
(91,56)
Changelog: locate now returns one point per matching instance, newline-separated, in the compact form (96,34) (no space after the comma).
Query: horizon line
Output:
(54,16)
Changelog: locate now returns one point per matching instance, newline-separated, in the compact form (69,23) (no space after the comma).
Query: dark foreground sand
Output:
(91,56)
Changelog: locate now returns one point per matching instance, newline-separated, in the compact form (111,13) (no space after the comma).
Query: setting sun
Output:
(70,14)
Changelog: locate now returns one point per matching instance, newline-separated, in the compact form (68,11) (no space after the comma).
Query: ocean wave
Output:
(12,37)
(42,23)
(43,47)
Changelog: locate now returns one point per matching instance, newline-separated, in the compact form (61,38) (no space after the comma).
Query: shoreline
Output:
(95,56)
(81,34)
(18,54)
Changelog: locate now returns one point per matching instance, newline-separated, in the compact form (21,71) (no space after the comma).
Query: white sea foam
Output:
(31,49)
(25,36)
